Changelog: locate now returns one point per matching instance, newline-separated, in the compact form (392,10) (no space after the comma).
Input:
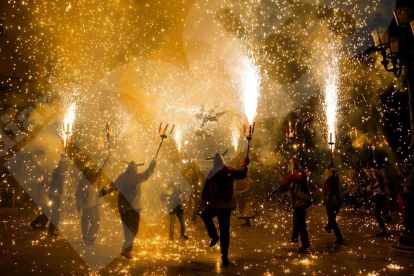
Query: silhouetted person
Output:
(296,183)
(129,201)
(175,209)
(87,202)
(41,220)
(377,188)
(332,201)
(218,197)
(57,188)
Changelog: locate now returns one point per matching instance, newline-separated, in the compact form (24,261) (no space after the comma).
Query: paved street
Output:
(258,250)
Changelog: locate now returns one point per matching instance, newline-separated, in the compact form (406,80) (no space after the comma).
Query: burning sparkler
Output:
(235,136)
(163,136)
(178,138)
(68,125)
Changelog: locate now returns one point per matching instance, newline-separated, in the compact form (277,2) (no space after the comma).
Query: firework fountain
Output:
(250,87)
(250,93)
(331,90)
(329,79)
(235,136)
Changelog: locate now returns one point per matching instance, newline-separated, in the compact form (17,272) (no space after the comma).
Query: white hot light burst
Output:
(250,80)
(178,137)
(68,124)
(235,136)
(331,90)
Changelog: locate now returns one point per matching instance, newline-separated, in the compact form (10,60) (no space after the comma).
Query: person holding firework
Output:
(296,183)
(218,197)
(128,184)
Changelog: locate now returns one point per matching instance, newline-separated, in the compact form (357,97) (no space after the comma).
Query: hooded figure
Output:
(128,184)
(57,188)
(87,201)
(332,201)
(296,183)
(219,200)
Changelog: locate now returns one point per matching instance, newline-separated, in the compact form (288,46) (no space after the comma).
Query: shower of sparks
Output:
(331,90)
(105,50)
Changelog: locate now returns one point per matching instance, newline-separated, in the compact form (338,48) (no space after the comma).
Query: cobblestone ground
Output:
(257,250)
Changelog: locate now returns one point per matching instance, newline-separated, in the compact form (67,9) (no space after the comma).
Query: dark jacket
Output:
(332,196)
(219,188)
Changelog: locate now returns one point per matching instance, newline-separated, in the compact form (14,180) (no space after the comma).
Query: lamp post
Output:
(396,44)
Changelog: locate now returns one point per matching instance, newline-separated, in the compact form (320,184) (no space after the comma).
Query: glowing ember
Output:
(395,267)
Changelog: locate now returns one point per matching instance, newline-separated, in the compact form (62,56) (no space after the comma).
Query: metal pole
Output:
(162,139)
(248,146)
(109,144)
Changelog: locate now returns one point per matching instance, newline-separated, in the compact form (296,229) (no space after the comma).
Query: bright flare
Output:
(249,82)
(68,124)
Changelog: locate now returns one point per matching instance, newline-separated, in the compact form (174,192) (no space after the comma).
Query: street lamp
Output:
(381,37)
(397,47)
(389,48)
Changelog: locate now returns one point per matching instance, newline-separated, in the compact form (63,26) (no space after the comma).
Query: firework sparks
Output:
(235,136)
